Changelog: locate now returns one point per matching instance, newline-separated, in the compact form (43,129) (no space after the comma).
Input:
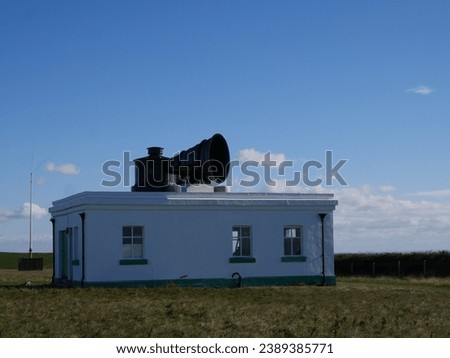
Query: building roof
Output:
(97,199)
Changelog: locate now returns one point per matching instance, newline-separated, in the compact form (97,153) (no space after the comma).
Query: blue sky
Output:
(83,81)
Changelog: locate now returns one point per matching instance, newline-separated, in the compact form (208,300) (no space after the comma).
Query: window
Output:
(292,241)
(242,236)
(132,242)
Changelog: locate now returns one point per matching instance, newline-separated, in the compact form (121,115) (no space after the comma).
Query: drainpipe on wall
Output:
(83,266)
(53,249)
(322,217)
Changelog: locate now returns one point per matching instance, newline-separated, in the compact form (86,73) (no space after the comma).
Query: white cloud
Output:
(434,193)
(386,188)
(6,214)
(423,90)
(367,220)
(20,243)
(251,154)
(38,212)
(370,222)
(23,212)
(67,169)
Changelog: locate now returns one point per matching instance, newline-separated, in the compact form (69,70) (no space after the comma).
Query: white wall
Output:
(195,240)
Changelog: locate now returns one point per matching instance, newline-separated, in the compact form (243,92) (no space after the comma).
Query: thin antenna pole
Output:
(33,169)
(31,213)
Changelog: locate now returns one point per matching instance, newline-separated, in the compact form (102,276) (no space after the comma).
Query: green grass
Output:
(355,307)
(9,260)
(15,278)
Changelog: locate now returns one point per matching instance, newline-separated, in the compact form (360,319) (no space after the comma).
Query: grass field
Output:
(355,307)
(9,260)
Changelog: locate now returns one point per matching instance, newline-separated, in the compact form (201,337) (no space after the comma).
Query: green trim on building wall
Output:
(128,262)
(220,283)
(240,259)
(293,259)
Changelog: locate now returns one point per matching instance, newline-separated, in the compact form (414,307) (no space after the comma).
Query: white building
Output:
(214,239)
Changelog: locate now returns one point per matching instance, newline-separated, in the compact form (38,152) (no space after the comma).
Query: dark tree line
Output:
(429,264)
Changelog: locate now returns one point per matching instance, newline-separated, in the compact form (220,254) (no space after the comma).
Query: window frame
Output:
(292,252)
(238,242)
(133,237)
(247,244)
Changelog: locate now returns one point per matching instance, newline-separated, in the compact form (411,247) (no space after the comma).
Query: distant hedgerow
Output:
(429,264)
